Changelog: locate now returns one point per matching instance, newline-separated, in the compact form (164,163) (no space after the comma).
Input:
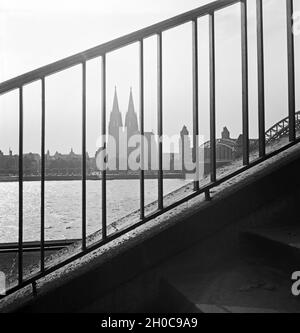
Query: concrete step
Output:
(171,300)
(212,308)
(226,283)
(242,288)
(277,246)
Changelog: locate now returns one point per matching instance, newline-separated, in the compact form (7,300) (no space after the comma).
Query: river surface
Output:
(63,206)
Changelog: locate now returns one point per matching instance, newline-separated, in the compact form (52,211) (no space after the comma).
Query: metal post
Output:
(244,30)
(43,171)
(291,69)
(142,156)
(20,263)
(195,105)
(103,135)
(213,166)
(261,78)
(84,156)
(160,121)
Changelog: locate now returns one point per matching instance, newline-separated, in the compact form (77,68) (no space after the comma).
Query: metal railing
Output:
(102,51)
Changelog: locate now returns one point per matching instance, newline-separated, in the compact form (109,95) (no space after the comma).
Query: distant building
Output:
(9,164)
(120,134)
(227,148)
(185,151)
(68,164)
(131,121)
(58,164)
(119,146)
(31,164)
(115,129)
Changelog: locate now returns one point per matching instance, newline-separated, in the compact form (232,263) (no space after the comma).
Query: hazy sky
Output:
(34,33)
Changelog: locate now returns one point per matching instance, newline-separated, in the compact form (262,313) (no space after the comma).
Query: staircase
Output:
(246,267)
(257,280)
(227,245)
(254,279)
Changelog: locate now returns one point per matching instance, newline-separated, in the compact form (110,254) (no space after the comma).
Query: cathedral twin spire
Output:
(131,121)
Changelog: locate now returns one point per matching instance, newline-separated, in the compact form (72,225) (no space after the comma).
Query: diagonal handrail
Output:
(113,45)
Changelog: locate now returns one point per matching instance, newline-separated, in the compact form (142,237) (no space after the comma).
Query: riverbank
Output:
(175,175)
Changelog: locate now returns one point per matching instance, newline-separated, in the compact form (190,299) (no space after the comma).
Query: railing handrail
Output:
(113,45)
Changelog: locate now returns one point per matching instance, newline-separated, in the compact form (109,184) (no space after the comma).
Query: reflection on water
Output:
(63,206)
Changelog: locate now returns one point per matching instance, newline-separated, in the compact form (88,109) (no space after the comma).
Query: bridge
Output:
(281,129)
(227,147)
(106,238)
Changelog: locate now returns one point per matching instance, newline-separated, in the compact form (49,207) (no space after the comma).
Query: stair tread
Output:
(242,288)
(213,308)
(230,284)
(288,235)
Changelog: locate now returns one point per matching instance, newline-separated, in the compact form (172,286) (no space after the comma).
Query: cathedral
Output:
(119,146)
(116,122)
(124,141)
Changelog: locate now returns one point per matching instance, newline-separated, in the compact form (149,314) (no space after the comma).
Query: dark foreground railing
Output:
(138,37)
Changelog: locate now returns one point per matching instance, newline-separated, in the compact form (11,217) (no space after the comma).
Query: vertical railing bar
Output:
(195,105)
(160,120)
(291,69)
(84,176)
(245,84)
(43,133)
(212,70)
(142,156)
(261,78)
(103,135)
(20,242)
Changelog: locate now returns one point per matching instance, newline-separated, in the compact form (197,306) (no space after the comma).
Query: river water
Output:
(63,206)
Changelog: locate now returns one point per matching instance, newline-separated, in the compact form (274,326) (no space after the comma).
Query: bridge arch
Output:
(281,129)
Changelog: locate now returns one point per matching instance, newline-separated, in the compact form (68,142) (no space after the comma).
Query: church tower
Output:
(115,128)
(225,134)
(131,121)
(185,150)
(115,122)
(131,125)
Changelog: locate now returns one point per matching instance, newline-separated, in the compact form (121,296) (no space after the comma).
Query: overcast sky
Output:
(34,33)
